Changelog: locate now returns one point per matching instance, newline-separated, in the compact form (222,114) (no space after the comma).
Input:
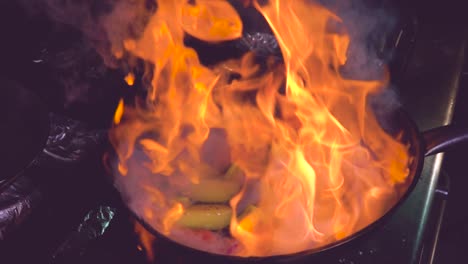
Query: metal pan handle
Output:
(444,138)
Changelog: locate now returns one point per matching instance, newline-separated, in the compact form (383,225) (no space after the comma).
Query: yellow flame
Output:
(119,112)
(130,79)
(146,240)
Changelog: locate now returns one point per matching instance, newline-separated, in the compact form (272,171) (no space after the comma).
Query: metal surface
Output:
(452,246)
(444,138)
(433,79)
(429,251)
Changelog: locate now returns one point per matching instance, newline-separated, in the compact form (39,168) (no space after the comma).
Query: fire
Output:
(119,112)
(130,79)
(146,241)
(308,161)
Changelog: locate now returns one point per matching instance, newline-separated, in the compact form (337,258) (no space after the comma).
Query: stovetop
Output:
(80,219)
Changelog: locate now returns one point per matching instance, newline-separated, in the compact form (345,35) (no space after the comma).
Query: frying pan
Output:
(421,145)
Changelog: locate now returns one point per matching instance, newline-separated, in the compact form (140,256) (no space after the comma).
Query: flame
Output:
(119,112)
(130,79)
(146,241)
(317,167)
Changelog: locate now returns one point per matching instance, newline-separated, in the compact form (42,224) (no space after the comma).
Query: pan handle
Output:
(444,138)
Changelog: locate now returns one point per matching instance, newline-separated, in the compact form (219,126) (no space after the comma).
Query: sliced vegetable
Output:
(234,173)
(184,201)
(214,190)
(219,189)
(206,216)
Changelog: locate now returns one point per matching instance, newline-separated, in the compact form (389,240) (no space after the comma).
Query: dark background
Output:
(452,17)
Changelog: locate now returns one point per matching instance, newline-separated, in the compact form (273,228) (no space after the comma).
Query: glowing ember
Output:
(288,158)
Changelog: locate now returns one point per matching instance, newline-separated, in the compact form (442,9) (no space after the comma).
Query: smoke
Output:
(102,22)
(370,25)
(106,23)
(76,52)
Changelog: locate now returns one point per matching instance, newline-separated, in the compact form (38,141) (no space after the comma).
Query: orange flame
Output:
(146,241)
(130,79)
(119,112)
(316,165)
